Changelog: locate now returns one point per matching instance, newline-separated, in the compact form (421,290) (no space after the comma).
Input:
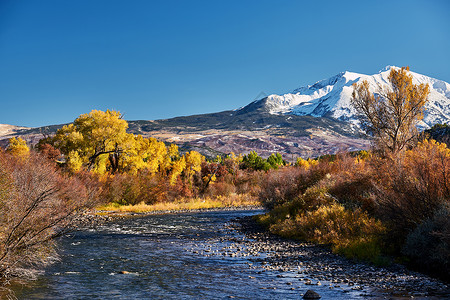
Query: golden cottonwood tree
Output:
(193,162)
(145,153)
(18,147)
(97,140)
(177,167)
(391,114)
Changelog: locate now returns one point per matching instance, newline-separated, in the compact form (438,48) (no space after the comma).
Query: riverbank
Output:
(317,266)
(114,214)
(183,204)
(112,211)
(220,253)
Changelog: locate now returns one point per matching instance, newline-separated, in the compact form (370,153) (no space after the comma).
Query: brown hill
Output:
(241,131)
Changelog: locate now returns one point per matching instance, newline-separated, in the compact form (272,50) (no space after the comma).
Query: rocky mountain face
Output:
(310,121)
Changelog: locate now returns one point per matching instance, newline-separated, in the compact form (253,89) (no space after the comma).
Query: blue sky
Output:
(161,59)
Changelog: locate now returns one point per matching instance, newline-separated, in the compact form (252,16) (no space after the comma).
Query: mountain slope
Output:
(241,132)
(6,130)
(331,98)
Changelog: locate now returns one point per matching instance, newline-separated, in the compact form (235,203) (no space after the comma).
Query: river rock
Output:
(310,294)
(308,282)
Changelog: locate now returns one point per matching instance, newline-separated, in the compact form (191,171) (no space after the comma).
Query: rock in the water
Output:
(310,294)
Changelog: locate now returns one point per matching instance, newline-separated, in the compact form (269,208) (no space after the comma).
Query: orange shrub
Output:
(410,186)
(352,184)
(336,226)
(280,186)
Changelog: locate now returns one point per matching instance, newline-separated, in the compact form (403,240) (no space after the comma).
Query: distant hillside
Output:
(252,120)
(241,132)
(254,129)
(6,129)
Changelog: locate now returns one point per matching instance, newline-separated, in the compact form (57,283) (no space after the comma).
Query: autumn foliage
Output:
(367,206)
(18,147)
(391,201)
(134,169)
(391,114)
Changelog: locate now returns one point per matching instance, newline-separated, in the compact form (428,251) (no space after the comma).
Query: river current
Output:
(172,256)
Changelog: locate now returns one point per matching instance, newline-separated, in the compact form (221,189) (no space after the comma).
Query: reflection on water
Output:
(163,257)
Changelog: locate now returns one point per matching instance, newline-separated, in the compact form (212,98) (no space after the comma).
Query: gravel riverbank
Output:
(92,218)
(310,265)
(317,266)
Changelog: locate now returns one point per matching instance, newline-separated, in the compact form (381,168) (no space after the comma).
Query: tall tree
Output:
(97,140)
(391,114)
(18,147)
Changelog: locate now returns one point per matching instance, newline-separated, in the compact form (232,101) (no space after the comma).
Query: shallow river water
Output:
(174,256)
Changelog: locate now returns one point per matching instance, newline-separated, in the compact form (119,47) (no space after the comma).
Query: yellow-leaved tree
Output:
(177,167)
(193,162)
(18,147)
(145,153)
(391,114)
(97,140)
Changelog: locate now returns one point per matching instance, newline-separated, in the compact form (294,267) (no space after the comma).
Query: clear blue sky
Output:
(161,59)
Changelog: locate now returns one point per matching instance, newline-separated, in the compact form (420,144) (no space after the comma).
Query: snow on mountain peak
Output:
(388,68)
(331,97)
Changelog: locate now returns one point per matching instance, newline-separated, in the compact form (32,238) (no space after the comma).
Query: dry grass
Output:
(352,233)
(235,200)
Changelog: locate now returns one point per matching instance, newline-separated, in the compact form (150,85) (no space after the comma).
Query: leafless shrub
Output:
(429,244)
(37,204)
(281,186)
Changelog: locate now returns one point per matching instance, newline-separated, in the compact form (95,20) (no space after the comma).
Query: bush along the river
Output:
(368,206)
(37,204)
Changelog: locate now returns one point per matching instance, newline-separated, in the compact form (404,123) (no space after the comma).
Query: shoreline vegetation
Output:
(181,205)
(319,265)
(389,204)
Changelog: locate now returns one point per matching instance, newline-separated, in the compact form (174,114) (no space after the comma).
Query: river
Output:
(197,255)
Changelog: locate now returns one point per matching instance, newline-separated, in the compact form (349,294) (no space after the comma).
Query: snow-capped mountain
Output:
(331,97)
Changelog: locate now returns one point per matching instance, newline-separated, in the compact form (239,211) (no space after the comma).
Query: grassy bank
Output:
(353,234)
(184,204)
